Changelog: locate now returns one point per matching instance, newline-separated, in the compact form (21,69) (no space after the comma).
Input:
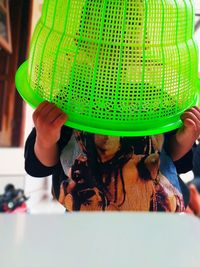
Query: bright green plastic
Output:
(117,67)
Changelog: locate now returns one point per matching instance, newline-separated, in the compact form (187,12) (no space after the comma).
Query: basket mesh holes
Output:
(62,96)
(104,69)
(35,80)
(38,75)
(79,105)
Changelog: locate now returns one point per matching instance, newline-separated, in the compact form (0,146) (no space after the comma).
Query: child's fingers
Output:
(41,106)
(197,108)
(52,114)
(193,115)
(38,110)
(60,120)
(194,110)
(45,111)
(42,111)
(190,124)
(48,113)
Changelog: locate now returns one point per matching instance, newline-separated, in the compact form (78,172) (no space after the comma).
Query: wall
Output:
(12,159)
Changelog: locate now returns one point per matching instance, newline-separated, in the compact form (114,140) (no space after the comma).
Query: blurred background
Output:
(17,22)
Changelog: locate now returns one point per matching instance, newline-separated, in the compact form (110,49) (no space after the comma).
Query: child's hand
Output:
(185,137)
(194,202)
(48,120)
(190,130)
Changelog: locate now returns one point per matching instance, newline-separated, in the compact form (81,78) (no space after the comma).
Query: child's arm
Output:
(48,120)
(185,137)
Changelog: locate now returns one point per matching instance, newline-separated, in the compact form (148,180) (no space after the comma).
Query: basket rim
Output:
(30,97)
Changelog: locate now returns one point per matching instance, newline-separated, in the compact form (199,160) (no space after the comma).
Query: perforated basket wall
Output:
(118,67)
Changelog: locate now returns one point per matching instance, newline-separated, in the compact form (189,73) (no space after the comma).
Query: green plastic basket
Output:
(117,67)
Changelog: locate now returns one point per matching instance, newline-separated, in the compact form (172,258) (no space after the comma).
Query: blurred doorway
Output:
(12,107)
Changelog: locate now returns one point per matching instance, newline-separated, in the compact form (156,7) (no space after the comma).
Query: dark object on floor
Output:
(12,200)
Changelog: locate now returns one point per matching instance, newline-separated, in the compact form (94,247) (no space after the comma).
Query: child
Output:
(99,172)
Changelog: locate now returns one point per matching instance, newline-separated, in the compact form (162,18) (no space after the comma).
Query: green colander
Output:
(116,67)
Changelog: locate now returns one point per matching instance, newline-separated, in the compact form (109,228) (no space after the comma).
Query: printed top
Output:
(118,174)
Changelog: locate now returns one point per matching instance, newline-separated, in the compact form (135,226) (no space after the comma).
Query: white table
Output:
(100,240)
